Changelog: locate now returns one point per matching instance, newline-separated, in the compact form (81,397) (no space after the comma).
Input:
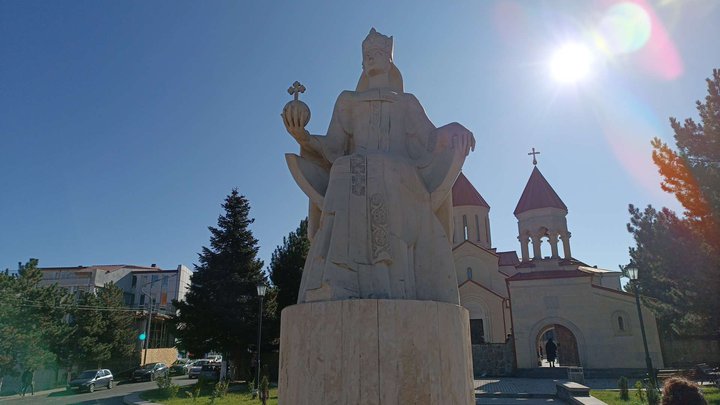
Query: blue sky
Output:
(124,124)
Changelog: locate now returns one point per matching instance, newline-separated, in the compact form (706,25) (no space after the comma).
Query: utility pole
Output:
(149,325)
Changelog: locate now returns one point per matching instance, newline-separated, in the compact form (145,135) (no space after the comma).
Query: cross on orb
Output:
(296,89)
(533,153)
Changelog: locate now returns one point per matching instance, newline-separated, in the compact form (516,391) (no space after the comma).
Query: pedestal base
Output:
(383,352)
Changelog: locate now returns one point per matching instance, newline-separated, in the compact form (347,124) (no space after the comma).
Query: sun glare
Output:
(571,63)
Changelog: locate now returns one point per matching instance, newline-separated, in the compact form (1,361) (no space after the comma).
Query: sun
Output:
(571,63)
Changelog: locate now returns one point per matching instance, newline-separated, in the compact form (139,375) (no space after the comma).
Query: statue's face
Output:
(375,62)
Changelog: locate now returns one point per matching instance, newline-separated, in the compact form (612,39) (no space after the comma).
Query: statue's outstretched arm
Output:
(440,152)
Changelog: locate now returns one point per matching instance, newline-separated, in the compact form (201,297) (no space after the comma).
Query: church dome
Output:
(537,194)
(463,193)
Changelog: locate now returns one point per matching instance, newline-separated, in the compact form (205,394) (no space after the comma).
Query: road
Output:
(104,396)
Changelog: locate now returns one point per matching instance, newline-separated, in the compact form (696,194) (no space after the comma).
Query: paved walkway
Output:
(9,397)
(537,386)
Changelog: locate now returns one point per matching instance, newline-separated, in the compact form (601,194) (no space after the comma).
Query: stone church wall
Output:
(689,351)
(493,359)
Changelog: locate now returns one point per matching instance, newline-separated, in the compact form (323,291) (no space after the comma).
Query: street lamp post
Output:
(261,288)
(633,275)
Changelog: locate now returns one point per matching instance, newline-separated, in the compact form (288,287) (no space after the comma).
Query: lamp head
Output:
(632,272)
(261,288)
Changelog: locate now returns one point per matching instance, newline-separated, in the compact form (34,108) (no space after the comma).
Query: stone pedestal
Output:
(375,352)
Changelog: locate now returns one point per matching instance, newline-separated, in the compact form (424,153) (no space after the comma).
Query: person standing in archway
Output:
(551,352)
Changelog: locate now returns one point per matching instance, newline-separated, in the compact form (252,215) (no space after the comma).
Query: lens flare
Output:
(571,63)
(625,28)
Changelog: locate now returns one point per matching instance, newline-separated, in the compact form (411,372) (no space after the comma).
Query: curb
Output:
(134,399)
(524,395)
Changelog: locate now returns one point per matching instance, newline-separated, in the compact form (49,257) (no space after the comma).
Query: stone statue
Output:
(379,185)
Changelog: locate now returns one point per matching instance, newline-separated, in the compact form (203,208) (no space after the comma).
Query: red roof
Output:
(542,275)
(463,193)
(538,194)
(106,267)
(508,258)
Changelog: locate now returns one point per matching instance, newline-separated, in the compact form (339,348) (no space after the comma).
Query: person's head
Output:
(377,50)
(679,391)
(377,53)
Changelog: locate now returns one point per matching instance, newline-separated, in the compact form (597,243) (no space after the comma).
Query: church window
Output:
(621,323)
(465,228)
(469,273)
(477,332)
(477,227)
(487,230)
(134,281)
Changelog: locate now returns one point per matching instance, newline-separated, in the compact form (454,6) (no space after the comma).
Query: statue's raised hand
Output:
(296,115)
(456,136)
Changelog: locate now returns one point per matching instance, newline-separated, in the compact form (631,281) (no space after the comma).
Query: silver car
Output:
(196,368)
(88,380)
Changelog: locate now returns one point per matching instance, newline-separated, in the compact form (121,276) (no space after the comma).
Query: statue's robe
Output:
(381,216)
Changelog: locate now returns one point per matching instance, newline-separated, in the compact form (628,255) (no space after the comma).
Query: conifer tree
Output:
(104,332)
(286,266)
(220,310)
(679,257)
(32,320)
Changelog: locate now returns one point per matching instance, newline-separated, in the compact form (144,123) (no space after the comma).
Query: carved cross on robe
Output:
(533,153)
(296,89)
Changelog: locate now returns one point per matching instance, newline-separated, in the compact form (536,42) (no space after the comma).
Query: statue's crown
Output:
(376,40)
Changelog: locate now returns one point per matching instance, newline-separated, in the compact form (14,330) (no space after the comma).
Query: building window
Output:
(477,227)
(134,282)
(477,332)
(465,228)
(469,273)
(487,230)
(621,323)
(142,300)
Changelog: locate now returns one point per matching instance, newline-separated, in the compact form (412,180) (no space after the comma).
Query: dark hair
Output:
(679,391)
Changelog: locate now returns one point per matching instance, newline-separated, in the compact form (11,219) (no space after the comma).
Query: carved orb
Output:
(297,110)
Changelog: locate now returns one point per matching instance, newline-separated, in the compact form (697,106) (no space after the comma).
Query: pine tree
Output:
(692,172)
(122,335)
(286,266)
(104,332)
(680,256)
(220,311)
(32,324)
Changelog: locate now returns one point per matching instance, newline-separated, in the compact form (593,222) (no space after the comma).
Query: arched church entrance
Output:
(567,347)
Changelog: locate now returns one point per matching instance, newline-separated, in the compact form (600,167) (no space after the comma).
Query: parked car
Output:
(150,372)
(88,380)
(196,368)
(181,366)
(210,372)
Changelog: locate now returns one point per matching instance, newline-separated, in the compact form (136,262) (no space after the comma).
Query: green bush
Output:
(264,389)
(167,387)
(653,396)
(623,386)
(221,389)
(640,391)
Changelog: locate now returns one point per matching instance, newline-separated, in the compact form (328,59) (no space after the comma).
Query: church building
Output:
(519,302)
